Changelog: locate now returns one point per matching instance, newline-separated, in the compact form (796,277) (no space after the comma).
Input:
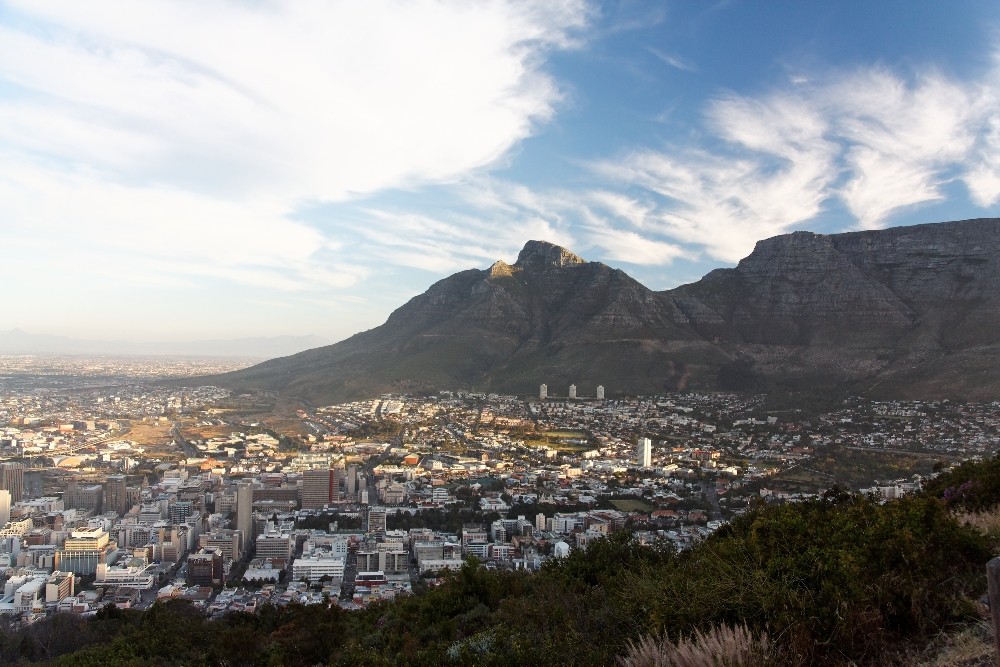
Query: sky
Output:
(206,169)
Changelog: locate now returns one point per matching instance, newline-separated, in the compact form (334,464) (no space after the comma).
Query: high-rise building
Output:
(12,479)
(376,519)
(338,483)
(352,480)
(4,506)
(116,495)
(88,497)
(543,391)
(318,488)
(644,453)
(204,568)
(600,392)
(572,391)
(244,512)
(180,511)
(83,551)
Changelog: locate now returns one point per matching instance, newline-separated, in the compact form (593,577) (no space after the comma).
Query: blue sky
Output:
(180,170)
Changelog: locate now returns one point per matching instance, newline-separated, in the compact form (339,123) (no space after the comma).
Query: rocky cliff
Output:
(908,311)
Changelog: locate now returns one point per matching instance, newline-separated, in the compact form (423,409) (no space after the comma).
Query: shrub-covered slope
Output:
(831,582)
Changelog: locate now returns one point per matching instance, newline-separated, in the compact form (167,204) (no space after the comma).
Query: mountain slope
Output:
(550,317)
(908,311)
(902,311)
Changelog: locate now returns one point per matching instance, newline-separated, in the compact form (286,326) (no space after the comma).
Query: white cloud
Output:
(309,99)
(873,140)
(673,60)
(156,234)
(189,133)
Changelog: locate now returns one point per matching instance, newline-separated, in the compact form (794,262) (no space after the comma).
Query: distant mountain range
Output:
(901,312)
(16,341)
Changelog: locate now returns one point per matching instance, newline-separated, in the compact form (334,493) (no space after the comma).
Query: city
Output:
(140,491)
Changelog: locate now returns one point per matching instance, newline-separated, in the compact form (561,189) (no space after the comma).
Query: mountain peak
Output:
(542,254)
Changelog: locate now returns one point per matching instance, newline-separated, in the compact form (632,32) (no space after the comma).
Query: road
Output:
(175,433)
(708,488)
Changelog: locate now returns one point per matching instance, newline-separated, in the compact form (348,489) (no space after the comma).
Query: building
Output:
(315,566)
(376,519)
(4,507)
(180,511)
(226,542)
(600,392)
(88,497)
(319,488)
(83,551)
(204,568)
(275,545)
(12,479)
(572,391)
(244,513)
(352,480)
(543,391)
(644,453)
(116,495)
(61,585)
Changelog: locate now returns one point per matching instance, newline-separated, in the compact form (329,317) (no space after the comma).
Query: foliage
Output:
(974,485)
(840,580)
(844,572)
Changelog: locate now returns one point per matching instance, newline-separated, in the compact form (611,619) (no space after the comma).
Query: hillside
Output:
(907,312)
(844,580)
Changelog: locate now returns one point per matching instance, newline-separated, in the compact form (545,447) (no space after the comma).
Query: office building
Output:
(181,511)
(83,551)
(319,488)
(543,391)
(12,479)
(600,392)
(116,495)
(376,519)
(4,507)
(572,391)
(644,453)
(88,497)
(352,481)
(244,513)
(205,568)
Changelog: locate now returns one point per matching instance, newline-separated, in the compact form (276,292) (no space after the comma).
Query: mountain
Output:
(16,341)
(908,312)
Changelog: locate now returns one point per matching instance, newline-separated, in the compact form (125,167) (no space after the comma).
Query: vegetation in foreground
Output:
(837,581)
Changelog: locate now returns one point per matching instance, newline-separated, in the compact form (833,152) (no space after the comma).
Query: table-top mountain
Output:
(906,311)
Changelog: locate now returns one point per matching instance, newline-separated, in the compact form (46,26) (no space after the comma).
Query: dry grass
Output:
(150,435)
(972,647)
(985,522)
(721,646)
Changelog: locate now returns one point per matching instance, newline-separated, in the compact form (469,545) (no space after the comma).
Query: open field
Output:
(196,432)
(150,435)
(854,468)
(632,506)
(579,435)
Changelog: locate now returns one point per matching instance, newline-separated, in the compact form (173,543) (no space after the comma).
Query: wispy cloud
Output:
(673,60)
(873,140)
(193,132)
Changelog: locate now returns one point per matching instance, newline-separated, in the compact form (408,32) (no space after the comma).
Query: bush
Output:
(721,646)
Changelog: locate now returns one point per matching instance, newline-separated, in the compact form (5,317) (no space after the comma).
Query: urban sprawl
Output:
(123,493)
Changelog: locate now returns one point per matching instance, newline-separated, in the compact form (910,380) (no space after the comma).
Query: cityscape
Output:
(644,333)
(141,491)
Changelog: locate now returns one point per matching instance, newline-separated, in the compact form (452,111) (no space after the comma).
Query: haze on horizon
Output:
(175,171)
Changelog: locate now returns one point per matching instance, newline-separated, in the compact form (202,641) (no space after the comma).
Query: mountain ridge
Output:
(909,311)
